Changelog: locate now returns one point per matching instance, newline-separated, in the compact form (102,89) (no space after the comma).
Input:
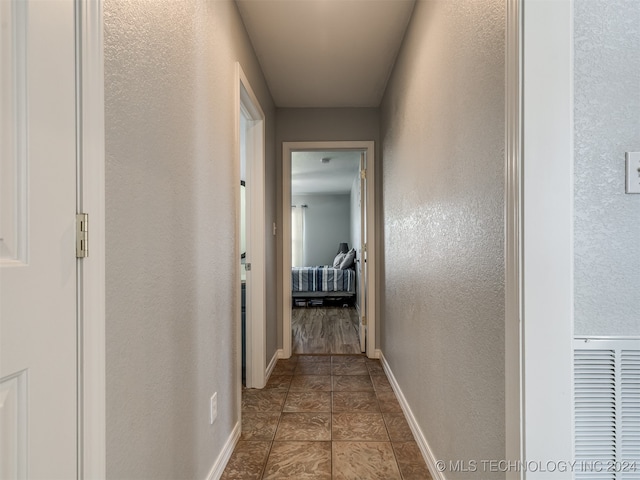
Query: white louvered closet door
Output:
(607,409)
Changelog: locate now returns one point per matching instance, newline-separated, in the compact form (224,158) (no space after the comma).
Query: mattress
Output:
(323,279)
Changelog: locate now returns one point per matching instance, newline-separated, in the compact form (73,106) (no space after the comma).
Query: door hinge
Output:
(364,248)
(82,235)
(364,319)
(363,174)
(247,267)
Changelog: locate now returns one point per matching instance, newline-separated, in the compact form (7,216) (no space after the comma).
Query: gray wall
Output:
(172,276)
(326,124)
(607,124)
(443,192)
(327,222)
(316,125)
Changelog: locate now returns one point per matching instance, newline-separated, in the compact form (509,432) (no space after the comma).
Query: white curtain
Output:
(297,235)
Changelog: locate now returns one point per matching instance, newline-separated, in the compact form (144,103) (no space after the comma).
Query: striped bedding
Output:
(323,279)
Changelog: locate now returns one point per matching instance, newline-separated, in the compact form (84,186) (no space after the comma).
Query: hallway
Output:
(476,333)
(325,417)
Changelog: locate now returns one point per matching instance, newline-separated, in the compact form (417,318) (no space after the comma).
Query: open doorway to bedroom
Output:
(327,227)
(325,240)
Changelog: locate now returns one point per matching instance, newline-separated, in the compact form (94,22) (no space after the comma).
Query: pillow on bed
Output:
(348,260)
(338,260)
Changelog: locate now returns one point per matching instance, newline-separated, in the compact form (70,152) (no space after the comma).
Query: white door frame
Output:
(287,149)
(362,261)
(91,270)
(539,235)
(256,297)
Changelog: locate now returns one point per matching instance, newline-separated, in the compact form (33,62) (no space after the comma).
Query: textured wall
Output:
(443,175)
(326,124)
(322,125)
(326,225)
(607,124)
(172,276)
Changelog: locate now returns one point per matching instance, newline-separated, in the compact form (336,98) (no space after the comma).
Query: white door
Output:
(252,146)
(362,263)
(38,387)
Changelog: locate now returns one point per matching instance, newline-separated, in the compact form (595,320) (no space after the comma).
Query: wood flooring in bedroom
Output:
(325,330)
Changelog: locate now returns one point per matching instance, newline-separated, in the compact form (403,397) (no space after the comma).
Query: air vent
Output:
(630,421)
(607,409)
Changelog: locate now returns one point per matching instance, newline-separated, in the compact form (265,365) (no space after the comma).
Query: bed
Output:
(322,282)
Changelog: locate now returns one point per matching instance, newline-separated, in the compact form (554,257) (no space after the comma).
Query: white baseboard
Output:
(221,462)
(272,364)
(423,445)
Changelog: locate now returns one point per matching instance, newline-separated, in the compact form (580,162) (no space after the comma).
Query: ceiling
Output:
(310,175)
(326,53)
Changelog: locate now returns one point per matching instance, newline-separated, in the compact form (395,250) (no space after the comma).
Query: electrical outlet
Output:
(213,408)
(633,172)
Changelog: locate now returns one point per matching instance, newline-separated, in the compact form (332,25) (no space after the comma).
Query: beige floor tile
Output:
(351,359)
(388,402)
(349,369)
(364,460)
(262,400)
(308,402)
(355,402)
(284,367)
(327,418)
(304,426)
(367,427)
(259,425)
(279,382)
(381,383)
(314,358)
(247,461)
(299,460)
(411,462)
(352,383)
(313,368)
(375,368)
(311,382)
(398,428)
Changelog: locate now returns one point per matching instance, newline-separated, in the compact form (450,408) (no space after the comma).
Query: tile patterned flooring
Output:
(325,417)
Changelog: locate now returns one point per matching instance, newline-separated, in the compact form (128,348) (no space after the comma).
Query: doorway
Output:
(250,234)
(328,211)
